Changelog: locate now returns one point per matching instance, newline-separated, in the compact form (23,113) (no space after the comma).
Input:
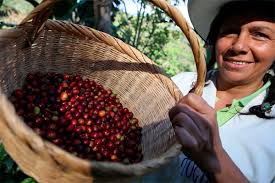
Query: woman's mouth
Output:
(236,64)
(240,62)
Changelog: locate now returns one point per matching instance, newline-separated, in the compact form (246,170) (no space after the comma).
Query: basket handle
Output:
(40,14)
(177,16)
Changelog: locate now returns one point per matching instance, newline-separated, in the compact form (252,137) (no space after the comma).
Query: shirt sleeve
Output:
(185,81)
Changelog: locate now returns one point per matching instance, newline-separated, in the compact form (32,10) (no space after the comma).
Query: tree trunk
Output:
(102,15)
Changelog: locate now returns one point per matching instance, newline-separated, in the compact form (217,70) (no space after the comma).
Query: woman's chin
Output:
(235,78)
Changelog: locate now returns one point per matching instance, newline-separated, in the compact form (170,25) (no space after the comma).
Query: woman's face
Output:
(245,48)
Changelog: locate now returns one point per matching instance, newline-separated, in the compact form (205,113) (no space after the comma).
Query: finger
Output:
(203,114)
(186,139)
(204,126)
(175,110)
(182,120)
(197,103)
(183,108)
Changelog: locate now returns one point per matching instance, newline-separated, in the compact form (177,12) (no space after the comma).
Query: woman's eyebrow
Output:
(260,28)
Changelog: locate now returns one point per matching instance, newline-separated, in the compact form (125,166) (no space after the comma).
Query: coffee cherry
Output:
(64,96)
(80,116)
(101,113)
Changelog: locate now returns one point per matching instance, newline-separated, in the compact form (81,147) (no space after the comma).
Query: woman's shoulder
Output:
(186,80)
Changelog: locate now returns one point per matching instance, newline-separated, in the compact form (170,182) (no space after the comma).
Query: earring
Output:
(266,107)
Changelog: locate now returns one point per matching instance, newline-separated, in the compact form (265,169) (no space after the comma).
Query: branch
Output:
(139,28)
(125,9)
(139,23)
(136,26)
(150,35)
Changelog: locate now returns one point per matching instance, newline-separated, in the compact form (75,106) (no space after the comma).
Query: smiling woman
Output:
(242,41)
(227,134)
(244,48)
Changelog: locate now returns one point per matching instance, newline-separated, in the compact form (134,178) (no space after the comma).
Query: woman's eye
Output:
(260,35)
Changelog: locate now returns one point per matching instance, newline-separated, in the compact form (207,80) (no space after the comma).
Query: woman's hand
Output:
(195,125)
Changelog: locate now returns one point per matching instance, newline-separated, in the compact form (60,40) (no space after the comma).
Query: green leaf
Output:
(2,151)
(3,155)
(28,180)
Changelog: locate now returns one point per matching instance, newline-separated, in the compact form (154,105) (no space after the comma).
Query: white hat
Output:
(203,12)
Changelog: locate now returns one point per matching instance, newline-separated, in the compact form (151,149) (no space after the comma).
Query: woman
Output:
(228,133)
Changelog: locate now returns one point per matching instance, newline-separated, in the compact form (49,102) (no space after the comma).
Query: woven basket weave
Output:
(43,45)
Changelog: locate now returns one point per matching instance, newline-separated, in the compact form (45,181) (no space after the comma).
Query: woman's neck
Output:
(226,92)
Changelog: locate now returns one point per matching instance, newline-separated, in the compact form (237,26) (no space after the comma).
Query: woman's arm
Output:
(229,172)
(195,125)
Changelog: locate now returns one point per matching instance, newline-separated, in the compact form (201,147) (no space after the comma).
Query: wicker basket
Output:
(39,44)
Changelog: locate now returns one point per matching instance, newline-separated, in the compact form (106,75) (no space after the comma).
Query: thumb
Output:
(197,103)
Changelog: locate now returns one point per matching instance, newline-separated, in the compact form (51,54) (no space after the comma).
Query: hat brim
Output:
(203,12)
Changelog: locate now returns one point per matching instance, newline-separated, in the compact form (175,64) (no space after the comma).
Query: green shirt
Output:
(225,114)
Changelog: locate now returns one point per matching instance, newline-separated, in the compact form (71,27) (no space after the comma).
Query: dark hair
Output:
(269,101)
(268,8)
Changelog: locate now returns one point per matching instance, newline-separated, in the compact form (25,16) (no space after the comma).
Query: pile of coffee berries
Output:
(79,116)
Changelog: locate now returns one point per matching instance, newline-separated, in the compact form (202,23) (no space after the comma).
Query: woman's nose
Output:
(240,44)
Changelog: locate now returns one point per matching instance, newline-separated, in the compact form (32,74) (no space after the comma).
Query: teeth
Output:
(240,63)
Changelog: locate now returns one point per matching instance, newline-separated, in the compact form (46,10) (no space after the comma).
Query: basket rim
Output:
(87,33)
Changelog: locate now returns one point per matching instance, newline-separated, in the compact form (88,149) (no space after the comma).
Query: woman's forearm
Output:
(229,172)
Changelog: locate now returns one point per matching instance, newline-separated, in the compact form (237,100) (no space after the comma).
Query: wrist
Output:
(227,171)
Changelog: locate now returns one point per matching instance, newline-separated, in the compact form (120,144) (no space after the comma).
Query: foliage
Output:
(154,34)
(28,180)
(148,31)
(9,171)
(178,57)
